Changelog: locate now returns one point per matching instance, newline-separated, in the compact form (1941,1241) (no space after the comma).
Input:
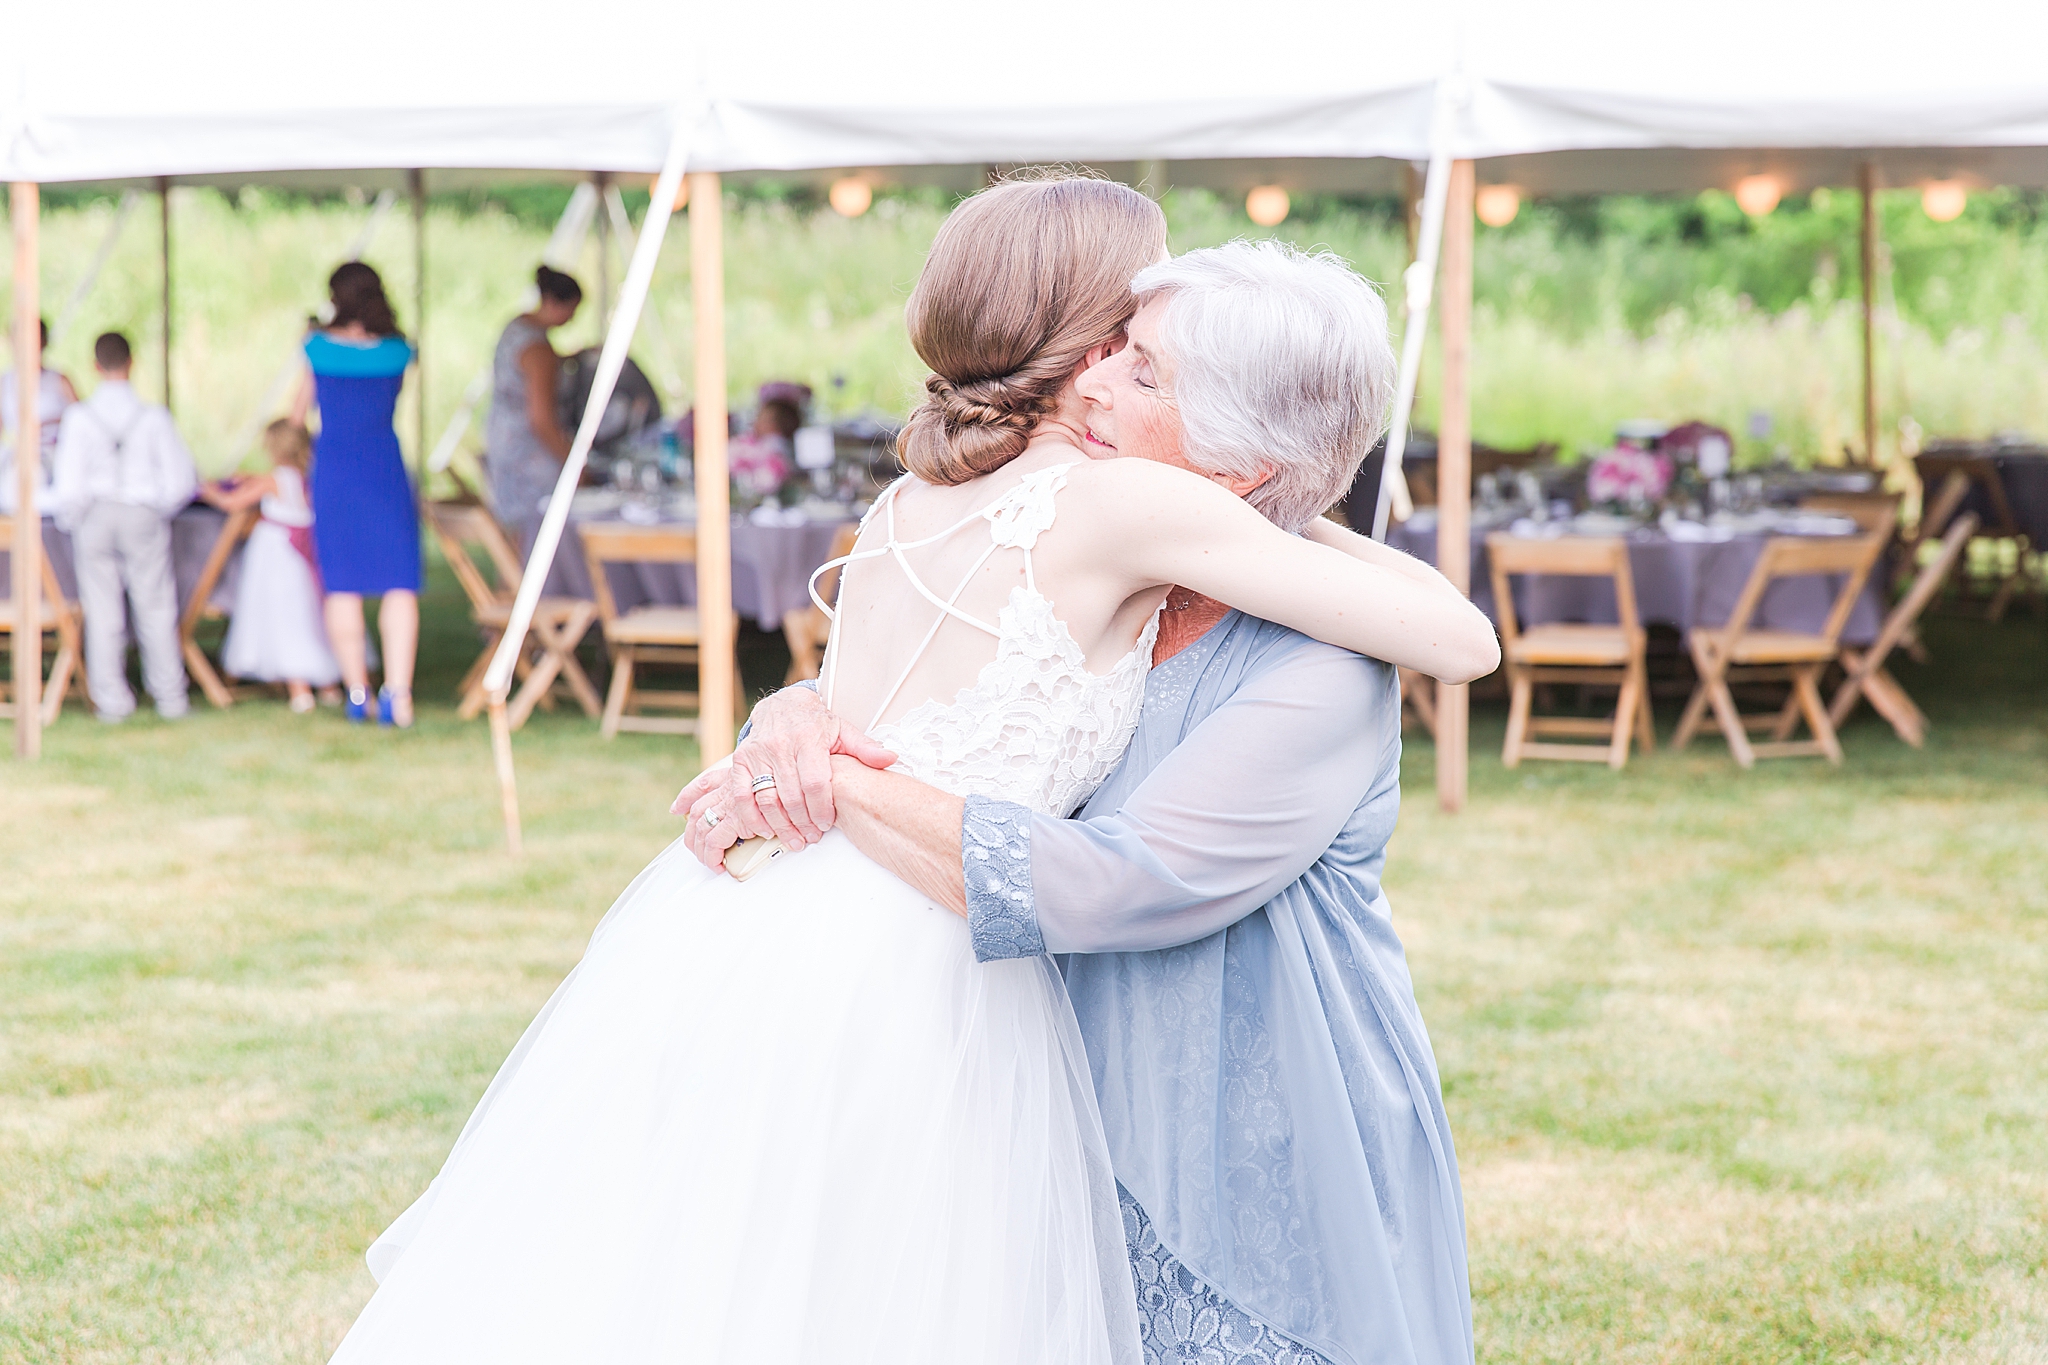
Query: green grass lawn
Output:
(1742,1066)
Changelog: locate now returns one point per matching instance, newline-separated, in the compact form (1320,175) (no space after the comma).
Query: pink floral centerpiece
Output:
(759,464)
(1629,476)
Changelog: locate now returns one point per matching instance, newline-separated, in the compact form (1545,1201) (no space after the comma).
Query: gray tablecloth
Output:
(1678,583)
(771,570)
(2026,492)
(193,532)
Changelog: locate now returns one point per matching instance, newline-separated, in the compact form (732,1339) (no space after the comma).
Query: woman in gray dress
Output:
(524,441)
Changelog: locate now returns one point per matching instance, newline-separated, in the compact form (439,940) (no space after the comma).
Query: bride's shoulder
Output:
(1122,488)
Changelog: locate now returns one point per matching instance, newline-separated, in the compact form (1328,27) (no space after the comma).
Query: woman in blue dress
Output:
(367,528)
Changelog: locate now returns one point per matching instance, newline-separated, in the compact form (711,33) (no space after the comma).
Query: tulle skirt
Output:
(276,633)
(787,1120)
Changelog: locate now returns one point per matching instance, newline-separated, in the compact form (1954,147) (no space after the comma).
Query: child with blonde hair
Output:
(277,633)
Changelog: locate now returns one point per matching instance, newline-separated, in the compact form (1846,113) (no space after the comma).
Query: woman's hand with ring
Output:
(712,831)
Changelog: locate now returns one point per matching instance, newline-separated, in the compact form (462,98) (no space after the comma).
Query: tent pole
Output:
(163,191)
(618,337)
(1418,282)
(25,207)
(418,181)
(604,256)
(716,660)
(1870,314)
(1454,469)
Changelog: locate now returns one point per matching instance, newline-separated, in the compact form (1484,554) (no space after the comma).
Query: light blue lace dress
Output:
(1266,1083)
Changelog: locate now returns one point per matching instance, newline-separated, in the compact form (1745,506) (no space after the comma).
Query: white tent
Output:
(1305,93)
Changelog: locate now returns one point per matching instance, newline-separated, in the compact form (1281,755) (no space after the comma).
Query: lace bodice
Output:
(1035,727)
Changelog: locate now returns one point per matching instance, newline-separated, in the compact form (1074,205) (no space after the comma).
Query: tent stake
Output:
(714,519)
(1454,468)
(25,205)
(1870,314)
(508,786)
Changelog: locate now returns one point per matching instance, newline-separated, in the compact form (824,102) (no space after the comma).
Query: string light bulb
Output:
(1267,206)
(1944,200)
(1497,205)
(1757,195)
(850,196)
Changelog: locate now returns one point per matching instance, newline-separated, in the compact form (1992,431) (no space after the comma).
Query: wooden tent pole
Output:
(1870,314)
(714,524)
(1454,467)
(163,191)
(417,179)
(25,206)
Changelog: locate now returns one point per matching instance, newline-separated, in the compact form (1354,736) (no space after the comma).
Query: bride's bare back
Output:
(922,602)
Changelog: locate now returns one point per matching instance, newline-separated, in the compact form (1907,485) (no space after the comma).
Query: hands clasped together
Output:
(779,780)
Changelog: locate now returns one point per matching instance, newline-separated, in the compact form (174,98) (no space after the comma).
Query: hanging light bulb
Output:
(1944,200)
(1497,205)
(1757,195)
(1267,206)
(850,196)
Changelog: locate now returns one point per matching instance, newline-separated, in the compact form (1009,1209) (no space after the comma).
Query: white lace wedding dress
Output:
(792,1120)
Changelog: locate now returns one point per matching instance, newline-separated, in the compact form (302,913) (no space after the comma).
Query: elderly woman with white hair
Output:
(1271,1102)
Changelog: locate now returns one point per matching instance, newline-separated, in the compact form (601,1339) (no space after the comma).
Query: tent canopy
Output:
(1622,98)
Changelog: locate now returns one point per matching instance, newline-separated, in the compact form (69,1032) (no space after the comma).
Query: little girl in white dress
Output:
(277,634)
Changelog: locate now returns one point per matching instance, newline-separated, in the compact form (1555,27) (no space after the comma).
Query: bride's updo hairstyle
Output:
(1024,279)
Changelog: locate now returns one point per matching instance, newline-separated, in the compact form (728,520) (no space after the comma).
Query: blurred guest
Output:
(369,543)
(54,393)
(277,634)
(524,442)
(122,472)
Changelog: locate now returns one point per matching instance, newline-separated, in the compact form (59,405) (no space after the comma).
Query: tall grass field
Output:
(1587,312)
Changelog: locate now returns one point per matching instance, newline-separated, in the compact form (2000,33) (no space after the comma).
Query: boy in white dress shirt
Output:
(122,473)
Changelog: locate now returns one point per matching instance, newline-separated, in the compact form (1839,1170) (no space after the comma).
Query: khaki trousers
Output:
(125,551)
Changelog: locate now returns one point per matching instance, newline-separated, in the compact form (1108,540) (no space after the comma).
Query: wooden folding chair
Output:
(646,634)
(1418,701)
(60,619)
(1952,474)
(1739,653)
(199,606)
(808,630)
(1870,511)
(559,623)
(1571,653)
(1867,677)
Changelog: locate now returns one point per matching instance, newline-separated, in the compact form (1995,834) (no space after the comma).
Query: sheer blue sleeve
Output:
(1244,804)
(995,855)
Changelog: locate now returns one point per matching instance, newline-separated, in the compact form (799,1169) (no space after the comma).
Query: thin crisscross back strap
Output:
(1045,481)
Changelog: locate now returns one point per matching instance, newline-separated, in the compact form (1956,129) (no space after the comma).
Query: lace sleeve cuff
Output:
(995,848)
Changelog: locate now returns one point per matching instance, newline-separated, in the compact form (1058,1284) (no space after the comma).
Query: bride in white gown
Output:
(792,1120)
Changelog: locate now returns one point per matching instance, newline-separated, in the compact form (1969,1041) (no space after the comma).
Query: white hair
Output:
(1281,362)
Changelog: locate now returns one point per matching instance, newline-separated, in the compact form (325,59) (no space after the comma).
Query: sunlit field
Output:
(1742,1067)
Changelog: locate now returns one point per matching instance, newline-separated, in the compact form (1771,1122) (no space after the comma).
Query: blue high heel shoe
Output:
(358,708)
(387,710)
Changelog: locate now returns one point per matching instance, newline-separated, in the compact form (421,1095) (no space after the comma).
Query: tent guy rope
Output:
(639,277)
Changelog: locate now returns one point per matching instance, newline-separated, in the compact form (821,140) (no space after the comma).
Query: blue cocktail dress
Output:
(369,536)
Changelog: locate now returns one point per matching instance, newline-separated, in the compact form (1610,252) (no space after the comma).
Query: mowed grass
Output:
(1742,1067)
